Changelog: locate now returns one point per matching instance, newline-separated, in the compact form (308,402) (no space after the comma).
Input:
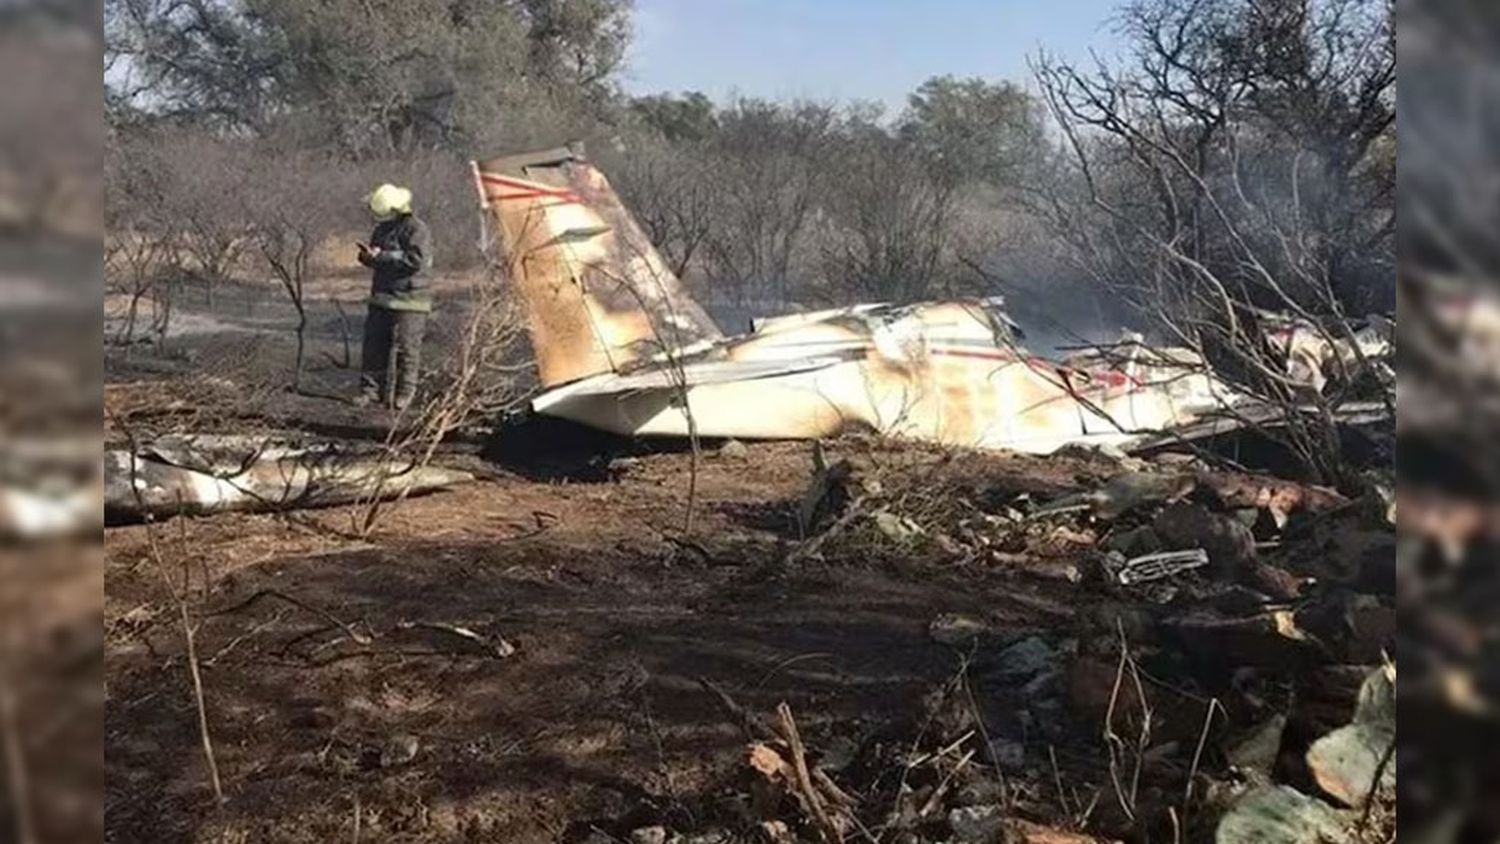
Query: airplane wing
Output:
(693,373)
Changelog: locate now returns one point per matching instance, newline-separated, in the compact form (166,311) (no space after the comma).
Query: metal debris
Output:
(1161,564)
(204,474)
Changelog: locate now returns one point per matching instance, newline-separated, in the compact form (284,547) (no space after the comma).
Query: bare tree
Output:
(294,206)
(670,188)
(890,232)
(1233,180)
(133,269)
(141,249)
(766,189)
(205,181)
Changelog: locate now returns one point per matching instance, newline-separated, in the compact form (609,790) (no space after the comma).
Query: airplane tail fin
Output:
(597,294)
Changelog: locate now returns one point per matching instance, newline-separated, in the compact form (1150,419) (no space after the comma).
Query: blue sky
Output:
(852,49)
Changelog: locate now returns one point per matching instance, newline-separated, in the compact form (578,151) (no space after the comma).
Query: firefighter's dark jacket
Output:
(401,265)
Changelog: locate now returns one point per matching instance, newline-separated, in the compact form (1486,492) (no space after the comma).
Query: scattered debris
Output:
(896,528)
(649,835)
(977,823)
(1156,566)
(203,474)
(1131,490)
(1271,638)
(1229,543)
(399,749)
(954,629)
(1212,639)
(498,647)
(980,824)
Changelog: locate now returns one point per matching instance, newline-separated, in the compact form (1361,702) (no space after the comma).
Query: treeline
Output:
(225,115)
(1239,146)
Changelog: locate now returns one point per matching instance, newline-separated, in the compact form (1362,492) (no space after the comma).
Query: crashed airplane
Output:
(621,347)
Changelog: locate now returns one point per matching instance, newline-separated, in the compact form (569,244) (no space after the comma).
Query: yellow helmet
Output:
(389,200)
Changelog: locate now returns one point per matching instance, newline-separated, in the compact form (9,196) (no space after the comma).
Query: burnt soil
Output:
(600,718)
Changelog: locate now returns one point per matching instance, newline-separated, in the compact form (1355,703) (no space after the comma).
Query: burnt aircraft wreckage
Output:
(621,347)
(197,474)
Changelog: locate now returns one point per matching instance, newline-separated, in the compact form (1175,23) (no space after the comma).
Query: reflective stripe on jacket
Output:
(401,266)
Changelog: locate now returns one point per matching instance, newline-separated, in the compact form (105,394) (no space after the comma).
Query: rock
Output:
(1026,658)
(838,753)
(398,750)
(1281,815)
(1044,685)
(1270,639)
(896,528)
(1134,542)
(1344,762)
(1255,754)
(776,832)
(1009,754)
(989,823)
(1026,832)
(976,823)
(734,450)
(1372,628)
(1273,581)
(1230,545)
(649,835)
(1129,490)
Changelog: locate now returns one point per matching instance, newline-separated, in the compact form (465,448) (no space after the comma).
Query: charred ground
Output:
(534,658)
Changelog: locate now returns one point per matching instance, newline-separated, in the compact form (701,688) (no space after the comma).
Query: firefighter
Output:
(400,255)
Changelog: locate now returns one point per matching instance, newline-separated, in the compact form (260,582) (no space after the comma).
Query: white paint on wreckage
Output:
(622,347)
